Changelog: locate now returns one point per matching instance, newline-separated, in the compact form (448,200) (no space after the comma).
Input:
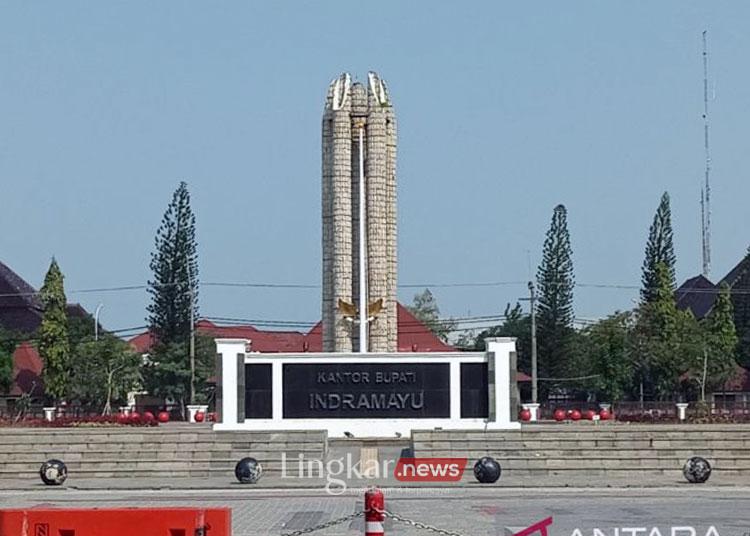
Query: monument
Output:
(360,384)
(359,223)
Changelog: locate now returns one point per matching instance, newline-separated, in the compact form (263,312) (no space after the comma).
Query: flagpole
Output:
(363,346)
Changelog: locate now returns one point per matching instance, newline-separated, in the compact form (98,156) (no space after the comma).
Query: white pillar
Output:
(499,350)
(681,410)
(455,387)
(277,391)
(534,409)
(229,349)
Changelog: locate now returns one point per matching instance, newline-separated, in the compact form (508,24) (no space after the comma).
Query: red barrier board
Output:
(116,522)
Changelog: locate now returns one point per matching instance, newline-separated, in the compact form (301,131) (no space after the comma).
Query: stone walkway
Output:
(467,510)
(272,482)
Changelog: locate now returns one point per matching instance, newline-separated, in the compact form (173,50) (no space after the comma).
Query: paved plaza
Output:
(671,511)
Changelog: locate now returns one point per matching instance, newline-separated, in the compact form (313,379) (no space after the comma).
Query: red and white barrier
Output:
(374,512)
(116,521)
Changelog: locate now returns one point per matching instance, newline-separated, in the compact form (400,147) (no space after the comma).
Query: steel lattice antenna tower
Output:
(706,190)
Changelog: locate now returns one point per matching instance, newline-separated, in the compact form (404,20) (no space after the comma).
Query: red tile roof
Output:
(142,342)
(261,341)
(27,371)
(413,336)
(740,382)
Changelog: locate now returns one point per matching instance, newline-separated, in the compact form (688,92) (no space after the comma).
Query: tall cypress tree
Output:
(721,341)
(666,341)
(659,249)
(555,308)
(54,346)
(174,264)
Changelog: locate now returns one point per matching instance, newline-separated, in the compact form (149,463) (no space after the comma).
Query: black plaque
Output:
(258,398)
(370,390)
(474,395)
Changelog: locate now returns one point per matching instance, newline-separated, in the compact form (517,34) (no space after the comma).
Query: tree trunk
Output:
(108,404)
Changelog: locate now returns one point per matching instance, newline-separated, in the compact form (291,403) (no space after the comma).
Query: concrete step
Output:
(583,432)
(163,452)
(184,456)
(473,453)
(161,447)
(137,435)
(163,474)
(579,445)
(152,464)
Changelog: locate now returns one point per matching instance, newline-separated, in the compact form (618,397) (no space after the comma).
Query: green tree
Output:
(8,343)
(516,324)
(80,329)
(426,309)
(54,346)
(666,341)
(174,263)
(717,361)
(104,371)
(659,249)
(166,375)
(555,281)
(604,355)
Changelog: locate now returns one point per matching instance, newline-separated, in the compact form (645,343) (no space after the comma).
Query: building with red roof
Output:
(27,371)
(413,336)
(21,313)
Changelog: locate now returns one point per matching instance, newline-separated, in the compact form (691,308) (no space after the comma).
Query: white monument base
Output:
(449,391)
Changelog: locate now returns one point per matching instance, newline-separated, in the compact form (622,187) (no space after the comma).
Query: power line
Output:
(123,288)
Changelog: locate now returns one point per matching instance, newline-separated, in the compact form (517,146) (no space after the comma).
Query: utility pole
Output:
(706,192)
(191,290)
(532,301)
(192,344)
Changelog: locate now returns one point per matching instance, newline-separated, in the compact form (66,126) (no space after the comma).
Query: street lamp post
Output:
(96,320)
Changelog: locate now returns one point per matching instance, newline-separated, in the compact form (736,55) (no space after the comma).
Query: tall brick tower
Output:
(354,112)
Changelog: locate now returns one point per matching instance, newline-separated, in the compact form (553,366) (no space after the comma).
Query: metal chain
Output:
(327,524)
(420,525)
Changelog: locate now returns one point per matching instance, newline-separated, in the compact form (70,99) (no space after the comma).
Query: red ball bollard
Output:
(605,415)
(374,512)
(199,416)
(575,415)
(590,413)
(525,415)
(559,415)
(122,418)
(163,417)
(149,417)
(134,418)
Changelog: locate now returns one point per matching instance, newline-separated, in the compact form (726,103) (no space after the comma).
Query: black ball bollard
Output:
(248,471)
(53,472)
(697,470)
(487,470)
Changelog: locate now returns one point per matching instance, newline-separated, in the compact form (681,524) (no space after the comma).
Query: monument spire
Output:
(359,217)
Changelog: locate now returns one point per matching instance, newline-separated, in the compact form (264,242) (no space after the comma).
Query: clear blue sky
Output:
(504,110)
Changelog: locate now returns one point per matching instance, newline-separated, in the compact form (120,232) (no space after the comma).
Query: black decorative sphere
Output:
(487,470)
(697,470)
(248,471)
(53,472)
